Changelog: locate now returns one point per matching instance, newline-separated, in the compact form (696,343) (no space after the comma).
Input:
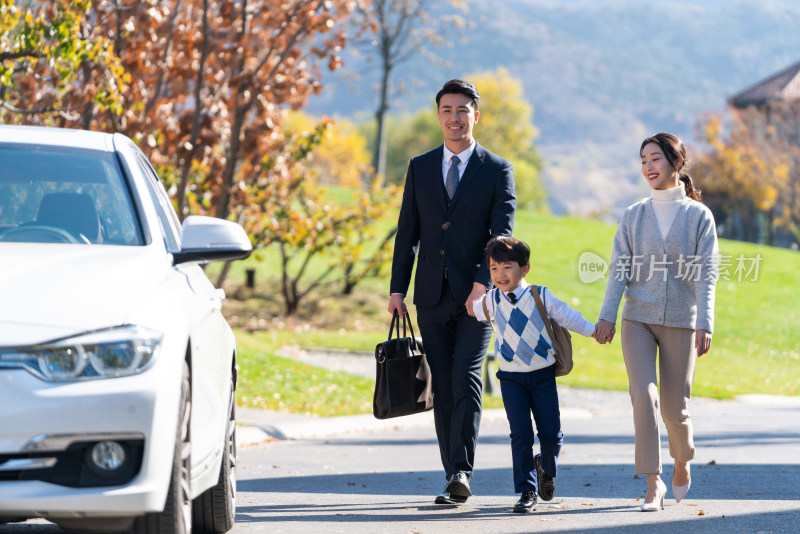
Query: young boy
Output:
(526,365)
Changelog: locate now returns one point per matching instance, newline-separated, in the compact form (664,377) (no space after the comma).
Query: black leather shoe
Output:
(446,498)
(526,503)
(458,486)
(546,483)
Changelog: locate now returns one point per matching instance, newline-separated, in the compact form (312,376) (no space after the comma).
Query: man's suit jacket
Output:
(451,232)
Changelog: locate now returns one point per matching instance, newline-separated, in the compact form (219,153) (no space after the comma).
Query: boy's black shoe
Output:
(526,503)
(458,486)
(545,483)
(446,498)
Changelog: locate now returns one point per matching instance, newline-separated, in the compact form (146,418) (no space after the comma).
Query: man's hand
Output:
(702,341)
(478,290)
(397,302)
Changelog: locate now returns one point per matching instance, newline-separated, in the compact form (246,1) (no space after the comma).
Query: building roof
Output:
(784,85)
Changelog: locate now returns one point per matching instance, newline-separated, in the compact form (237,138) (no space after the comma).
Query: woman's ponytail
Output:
(688,186)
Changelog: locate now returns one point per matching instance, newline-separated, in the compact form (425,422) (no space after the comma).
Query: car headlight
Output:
(114,352)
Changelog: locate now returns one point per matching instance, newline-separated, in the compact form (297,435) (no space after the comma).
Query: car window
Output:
(168,219)
(64,195)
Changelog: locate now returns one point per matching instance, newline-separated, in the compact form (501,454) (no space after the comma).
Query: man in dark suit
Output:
(456,197)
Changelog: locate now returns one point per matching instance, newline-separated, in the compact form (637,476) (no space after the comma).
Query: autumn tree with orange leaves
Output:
(206,87)
(751,178)
(54,68)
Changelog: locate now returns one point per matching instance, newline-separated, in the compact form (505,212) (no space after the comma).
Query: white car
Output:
(117,368)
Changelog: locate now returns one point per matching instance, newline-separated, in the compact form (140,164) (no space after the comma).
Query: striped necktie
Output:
(451,183)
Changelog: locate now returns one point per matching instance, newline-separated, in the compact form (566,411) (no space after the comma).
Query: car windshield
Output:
(64,195)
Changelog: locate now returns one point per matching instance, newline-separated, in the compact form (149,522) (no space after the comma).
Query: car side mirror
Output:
(207,239)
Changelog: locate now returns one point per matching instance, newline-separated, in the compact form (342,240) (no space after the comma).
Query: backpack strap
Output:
(543,313)
(486,313)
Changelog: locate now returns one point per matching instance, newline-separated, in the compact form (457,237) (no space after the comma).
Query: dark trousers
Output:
(455,344)
(524,393)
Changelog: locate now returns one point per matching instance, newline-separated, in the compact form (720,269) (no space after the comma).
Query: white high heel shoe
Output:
(679,492)
(658,502)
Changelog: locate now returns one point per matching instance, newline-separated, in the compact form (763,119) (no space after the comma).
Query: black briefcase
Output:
(402,375)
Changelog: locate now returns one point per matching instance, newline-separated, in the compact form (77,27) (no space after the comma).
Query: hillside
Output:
(601,75)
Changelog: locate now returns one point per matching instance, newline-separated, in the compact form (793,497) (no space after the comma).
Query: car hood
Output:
(53,290)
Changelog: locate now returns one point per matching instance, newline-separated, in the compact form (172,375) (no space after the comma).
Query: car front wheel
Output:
(177,515)
(215,509)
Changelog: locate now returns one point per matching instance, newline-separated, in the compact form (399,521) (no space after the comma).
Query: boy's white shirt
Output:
(556,309)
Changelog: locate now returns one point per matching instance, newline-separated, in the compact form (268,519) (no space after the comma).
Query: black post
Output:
(251,277)
(490,386)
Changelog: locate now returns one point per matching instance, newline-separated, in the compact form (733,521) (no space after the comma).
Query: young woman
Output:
(665,260)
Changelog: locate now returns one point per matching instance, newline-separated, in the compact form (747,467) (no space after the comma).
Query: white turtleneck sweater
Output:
(666,203)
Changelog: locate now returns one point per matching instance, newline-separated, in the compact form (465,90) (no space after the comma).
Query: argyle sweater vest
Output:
(521,339)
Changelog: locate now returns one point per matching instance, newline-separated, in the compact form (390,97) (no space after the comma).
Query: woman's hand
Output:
(603,331)
(702,341)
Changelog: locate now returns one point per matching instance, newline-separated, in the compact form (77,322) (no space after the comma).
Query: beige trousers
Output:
(642,345)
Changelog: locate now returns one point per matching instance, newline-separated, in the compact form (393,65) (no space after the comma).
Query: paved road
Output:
(383,479)
(357,475)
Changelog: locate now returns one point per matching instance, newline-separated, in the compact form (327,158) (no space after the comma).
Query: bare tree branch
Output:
(4,56)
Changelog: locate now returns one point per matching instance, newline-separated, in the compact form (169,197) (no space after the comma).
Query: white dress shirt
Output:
(556,309)
(463,157)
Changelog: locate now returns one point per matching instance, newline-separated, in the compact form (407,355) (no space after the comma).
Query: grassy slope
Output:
(756,347)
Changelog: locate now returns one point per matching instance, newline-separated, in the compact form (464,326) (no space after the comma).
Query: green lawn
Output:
(755,348)
(270,382)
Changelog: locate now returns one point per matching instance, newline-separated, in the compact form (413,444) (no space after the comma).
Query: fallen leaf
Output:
(587,484)
(712,462)
(363,485)
(558,506)
(700,512)
(351,483)
(587,504)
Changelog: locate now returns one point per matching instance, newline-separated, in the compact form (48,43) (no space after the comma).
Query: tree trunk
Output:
(224,273)
(349,281)
(199,82)
(240,111)
(88,106)
(379,152)
(232,157)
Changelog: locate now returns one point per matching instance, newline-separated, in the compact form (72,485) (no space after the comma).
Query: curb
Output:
(257,426)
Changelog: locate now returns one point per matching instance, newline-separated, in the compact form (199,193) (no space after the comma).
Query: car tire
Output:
(177,515)
(215,510)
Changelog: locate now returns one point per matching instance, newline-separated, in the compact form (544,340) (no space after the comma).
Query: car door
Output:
(211,358)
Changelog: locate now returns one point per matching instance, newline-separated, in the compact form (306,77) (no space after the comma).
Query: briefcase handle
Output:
(396,321)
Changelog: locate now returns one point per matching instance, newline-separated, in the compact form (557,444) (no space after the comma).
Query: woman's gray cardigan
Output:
(667,281)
